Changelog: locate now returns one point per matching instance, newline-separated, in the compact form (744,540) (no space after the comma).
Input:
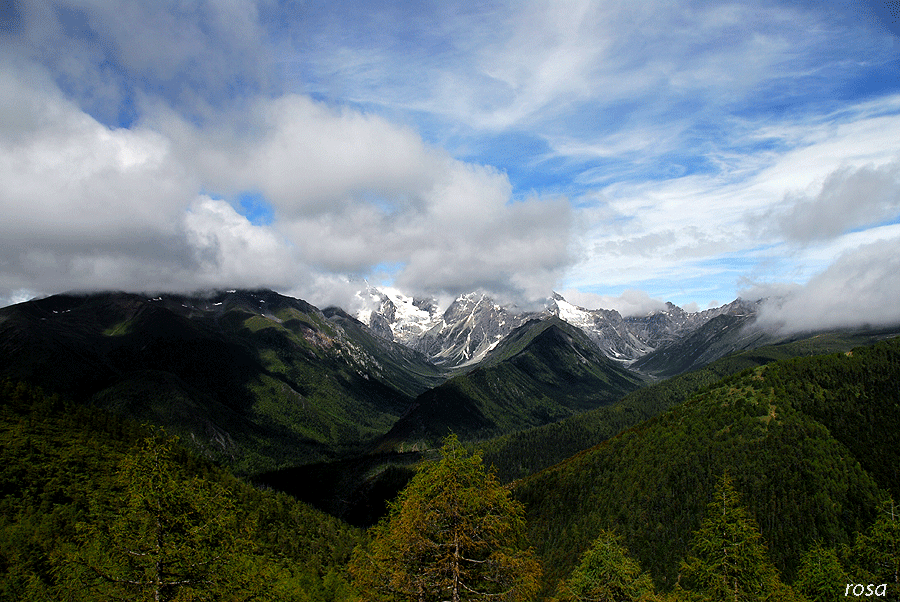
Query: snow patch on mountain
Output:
(473,324)
(396,316)
(462,334)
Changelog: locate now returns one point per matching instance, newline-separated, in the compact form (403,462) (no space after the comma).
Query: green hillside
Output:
(253,378)
(810,443)
(62,495)
(544,371)
(518,454)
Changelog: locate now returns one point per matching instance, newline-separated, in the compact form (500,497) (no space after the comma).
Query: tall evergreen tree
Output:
(876,553)
(607,574)
(729,561)
(821,576)
(170,538)
(454,533)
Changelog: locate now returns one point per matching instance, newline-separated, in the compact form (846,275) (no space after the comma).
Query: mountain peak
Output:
(472,325)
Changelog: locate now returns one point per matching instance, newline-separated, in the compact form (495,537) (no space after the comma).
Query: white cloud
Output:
(825,183)
(306,157)
(382,137)
(352,191)
(84,206)
(849,198)
(631,302)
(230,250)
(91,207)
(66,174)
(860,288)
(99,207)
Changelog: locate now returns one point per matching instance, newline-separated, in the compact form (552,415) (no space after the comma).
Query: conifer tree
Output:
(876,553)
(170,538)
(607,574)
(729,561)
(454,533)
(821,576)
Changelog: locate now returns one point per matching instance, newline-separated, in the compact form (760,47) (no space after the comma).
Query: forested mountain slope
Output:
(521,453)
(62,495)
(811,444)
(543,371)
(254,378)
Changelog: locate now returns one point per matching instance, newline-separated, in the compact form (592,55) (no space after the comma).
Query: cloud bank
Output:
(90,206)
(631,302)
(860,289)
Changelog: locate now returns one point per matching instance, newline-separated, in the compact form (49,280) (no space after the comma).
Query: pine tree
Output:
(607,574)
(729,560)
(876,553)
(821,576)
(454,533)
(170,538)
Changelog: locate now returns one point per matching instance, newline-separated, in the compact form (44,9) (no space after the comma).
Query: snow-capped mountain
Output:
(459,335)
(630,338)
(473,324)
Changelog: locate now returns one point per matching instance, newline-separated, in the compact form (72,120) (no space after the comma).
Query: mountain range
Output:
(593,420)
(260,380)
(473,325)
(253,378)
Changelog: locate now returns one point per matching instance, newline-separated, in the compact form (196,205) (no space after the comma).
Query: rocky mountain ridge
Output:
(460,335)
(473,324)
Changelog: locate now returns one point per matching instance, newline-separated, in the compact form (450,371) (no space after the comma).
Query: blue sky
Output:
(662,151)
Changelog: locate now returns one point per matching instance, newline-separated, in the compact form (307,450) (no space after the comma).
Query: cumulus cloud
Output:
(305,156)
(353,191)
(860,288)
(93,206)
(227,248)
(84,206)
(67,174)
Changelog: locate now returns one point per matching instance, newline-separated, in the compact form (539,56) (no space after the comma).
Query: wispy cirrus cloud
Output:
(822,179)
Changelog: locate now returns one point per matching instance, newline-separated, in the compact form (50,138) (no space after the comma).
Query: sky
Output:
(621,153)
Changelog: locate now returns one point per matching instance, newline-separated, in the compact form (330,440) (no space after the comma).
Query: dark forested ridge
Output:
(518,454)
(253,378)
(356,490)
(811,444)
(542,372)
